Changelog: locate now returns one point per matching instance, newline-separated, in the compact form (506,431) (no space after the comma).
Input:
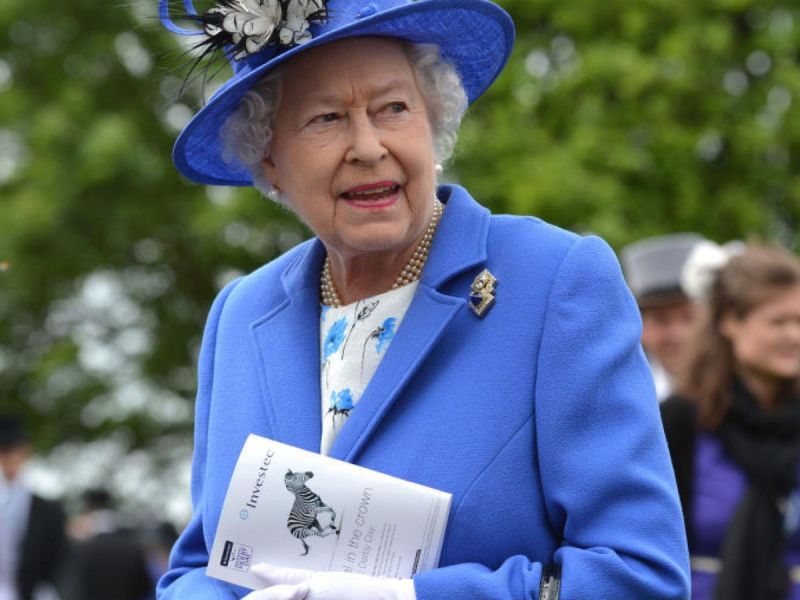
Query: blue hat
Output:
(476,36)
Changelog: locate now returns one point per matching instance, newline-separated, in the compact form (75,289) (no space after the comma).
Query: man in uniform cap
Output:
(653,271)
(32,534)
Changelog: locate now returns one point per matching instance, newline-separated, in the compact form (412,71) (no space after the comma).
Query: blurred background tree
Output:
(626,119)
(631,119)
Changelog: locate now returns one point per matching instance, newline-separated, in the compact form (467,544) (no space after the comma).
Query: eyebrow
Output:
(382,90)
(391,86)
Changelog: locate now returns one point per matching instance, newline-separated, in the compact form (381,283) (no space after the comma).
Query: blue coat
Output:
(540,417)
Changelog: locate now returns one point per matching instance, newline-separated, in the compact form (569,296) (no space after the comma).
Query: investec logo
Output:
(255,495)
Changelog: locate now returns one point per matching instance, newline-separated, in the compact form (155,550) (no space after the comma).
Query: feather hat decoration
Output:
(241,28)
(245,25)
(248,26)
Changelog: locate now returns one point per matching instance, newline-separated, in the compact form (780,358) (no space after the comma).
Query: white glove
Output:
(301,584)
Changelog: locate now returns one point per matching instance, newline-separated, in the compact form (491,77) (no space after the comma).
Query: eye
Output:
(396,107)
(325,118)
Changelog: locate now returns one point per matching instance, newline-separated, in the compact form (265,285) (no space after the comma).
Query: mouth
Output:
(373,195)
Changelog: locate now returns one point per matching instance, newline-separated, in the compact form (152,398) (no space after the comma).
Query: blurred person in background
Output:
(32,534)
(107,560)
(158,540)
(734,427)
(653,269)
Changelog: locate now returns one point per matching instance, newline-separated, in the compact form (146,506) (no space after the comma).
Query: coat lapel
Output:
(460,243)
(287,341)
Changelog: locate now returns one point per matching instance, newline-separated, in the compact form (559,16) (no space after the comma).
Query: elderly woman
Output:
(492,357)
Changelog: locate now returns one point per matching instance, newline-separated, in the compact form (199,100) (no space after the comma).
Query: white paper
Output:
(344,517)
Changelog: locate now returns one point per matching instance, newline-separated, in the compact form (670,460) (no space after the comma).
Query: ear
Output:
(271,171)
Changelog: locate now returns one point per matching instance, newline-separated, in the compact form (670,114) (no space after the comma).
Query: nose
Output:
(365,145)
(794,331)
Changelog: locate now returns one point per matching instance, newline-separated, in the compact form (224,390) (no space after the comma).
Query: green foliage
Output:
(113,259)
(627,119)
(635,119)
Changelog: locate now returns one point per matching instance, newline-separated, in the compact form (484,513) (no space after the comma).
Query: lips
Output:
(373,192)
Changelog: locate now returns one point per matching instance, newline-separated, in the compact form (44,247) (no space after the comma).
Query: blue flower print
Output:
(341,402)
(385,334)
(323,312)
(334,337)
(359,315)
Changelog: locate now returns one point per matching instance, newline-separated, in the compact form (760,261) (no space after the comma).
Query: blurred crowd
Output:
(721,330)
(92,554)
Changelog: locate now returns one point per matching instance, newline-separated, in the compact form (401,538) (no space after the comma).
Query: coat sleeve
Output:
(608,486)
(186,576)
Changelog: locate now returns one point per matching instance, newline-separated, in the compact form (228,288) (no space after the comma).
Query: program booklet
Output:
(293,508)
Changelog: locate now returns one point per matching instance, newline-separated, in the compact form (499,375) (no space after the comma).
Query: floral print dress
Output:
(353,340)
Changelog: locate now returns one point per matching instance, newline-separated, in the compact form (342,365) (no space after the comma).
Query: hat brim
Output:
(661,298)
(476,36)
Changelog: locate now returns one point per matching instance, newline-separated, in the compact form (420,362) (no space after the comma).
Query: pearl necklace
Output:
(409,274)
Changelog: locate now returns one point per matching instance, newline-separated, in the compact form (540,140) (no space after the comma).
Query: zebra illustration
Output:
(307,506)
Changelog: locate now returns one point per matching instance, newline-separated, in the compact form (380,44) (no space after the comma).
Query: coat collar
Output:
(287,337)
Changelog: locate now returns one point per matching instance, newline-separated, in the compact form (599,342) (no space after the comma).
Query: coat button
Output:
(367,11)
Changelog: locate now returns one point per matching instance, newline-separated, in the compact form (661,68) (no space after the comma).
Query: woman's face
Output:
(352,147)
(766,341)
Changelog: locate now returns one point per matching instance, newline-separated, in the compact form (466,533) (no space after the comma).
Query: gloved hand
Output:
(282,583)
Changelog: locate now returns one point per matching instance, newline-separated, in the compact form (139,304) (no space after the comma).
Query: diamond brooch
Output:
(481,293)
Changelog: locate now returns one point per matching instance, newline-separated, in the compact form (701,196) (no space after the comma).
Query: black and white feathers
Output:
(249,26)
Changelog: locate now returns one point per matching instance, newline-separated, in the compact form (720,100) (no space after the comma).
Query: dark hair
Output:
(13,433)
(748,280)
(97,499)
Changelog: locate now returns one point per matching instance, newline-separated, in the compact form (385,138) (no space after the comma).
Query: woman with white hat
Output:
(496,358)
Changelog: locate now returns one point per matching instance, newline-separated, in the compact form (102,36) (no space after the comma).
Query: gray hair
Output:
(247,132)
